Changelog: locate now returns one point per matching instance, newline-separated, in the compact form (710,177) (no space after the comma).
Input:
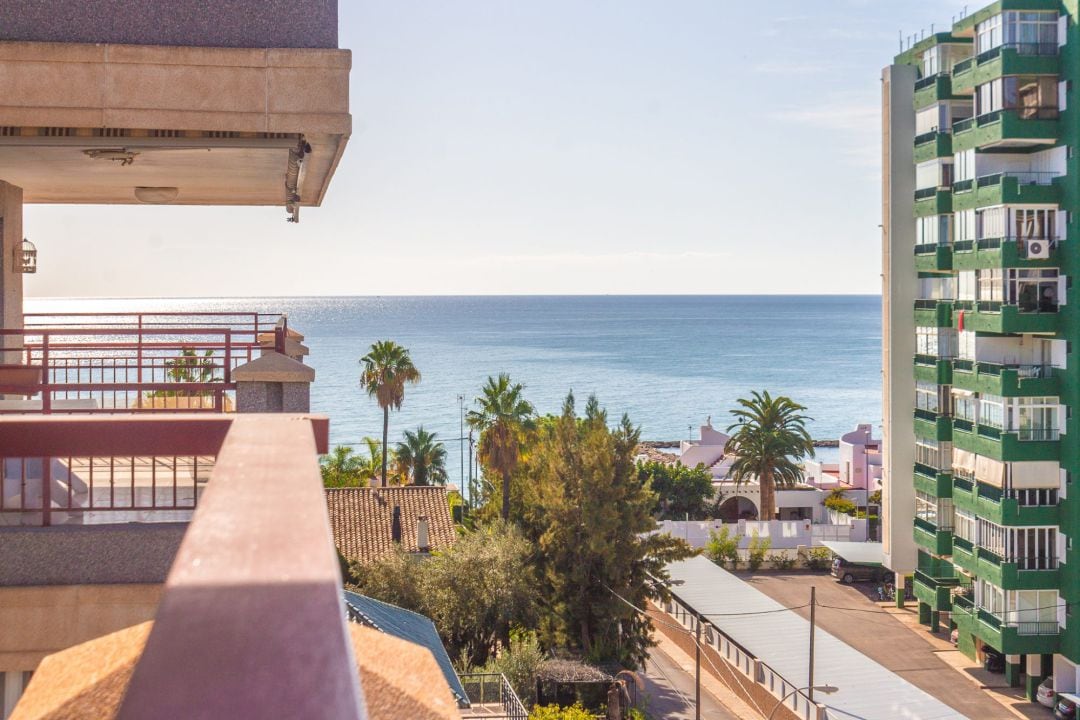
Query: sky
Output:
(553,147)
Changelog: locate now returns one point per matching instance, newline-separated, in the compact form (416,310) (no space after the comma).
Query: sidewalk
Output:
(993,684)
(731,702)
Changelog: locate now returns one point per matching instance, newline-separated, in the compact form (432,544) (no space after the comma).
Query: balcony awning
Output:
(989,471)
(1036,474)
(862,553)
(963,460)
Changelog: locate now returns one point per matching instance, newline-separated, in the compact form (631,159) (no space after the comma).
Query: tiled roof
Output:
(360,518)
(407,625)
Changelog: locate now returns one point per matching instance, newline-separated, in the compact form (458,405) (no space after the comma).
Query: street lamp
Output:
(823,689)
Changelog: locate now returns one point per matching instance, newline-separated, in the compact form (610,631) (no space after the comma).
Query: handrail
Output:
(963,66)
(929,80)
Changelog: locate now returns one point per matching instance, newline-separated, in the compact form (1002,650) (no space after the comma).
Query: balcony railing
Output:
(491,696)
(928,81)
(1036,627)
(1023,178)
(963,66)
(131,362)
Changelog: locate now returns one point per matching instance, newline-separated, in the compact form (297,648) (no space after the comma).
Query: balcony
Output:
(1007,252)
(932,425)
(935,541)
(936,592)
(932,89)
(1005,319)
(963,555)
(1006,445)
(1005,380)
(931,368)
(1001,507)
(135,362)
(933,201)
(1007,128)
(933,258)
(1043,188)
(1017,574)
(933,313)
(1011,59)
(933,481)
(931,145)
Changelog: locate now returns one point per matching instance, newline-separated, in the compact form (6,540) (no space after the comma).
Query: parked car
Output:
(1045,693)
(849,572)
(1065,708)
(993,661)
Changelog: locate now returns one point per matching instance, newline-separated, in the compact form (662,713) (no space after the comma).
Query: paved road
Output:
(670,690)
(880,636)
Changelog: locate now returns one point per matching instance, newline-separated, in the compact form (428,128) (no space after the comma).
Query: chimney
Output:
(395,524)
(422,534)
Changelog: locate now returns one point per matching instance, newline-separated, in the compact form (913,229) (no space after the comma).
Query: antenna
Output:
(901,34)
(931,28)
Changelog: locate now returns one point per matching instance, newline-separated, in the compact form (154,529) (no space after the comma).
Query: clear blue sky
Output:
(563,146)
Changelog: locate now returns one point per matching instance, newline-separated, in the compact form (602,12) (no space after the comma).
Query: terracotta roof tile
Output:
(360,519)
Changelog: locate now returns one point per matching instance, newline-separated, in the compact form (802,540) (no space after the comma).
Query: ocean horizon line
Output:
(455,295)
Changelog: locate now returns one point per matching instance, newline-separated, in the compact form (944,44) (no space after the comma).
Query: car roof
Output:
(1070,696)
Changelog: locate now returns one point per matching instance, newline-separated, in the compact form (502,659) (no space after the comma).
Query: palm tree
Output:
(503,416)
(768,439)
(370,464)
(342,469)
(423,457)
(387,367)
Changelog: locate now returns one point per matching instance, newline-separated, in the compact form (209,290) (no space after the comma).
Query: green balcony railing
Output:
(1006,380)
(1015,127)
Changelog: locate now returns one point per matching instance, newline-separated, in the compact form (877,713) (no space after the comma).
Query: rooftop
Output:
(361,519)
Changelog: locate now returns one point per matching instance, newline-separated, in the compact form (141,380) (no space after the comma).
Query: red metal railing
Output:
(131,362)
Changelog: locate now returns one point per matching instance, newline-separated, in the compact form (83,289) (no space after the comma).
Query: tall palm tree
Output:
(341,468)
(386,369)
(768,439)
(423,457)
(502,417)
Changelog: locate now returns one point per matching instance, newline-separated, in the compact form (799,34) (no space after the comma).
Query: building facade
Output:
(981,380)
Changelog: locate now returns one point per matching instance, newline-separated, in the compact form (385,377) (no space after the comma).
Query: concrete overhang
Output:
(90,123)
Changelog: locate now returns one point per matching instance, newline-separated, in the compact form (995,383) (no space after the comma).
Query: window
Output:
(926,507)
(964,228)
(1032,96)
(991,536)
(964,165)
(1036,418)
(964,525)
(990,223)
(933,230)
(1031,223)
(1029,33)
(939,342)
(965,285)
(992,411)
(931,119)
(926,396)
(1032,606)
(1034,548)
(990,597)
(1034,290)
(932,453)
(934,174)
(989,285)
(966,341)
(1034,496)
(964,406)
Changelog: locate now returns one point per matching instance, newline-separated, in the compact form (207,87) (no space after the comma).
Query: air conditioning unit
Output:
(1038,249)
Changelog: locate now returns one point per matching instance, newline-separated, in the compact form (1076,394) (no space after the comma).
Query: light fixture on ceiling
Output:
(156,195)
(120,155)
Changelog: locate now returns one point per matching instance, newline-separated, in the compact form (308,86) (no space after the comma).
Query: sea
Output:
(670,363)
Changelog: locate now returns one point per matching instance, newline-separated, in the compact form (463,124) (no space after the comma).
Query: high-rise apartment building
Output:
(981,217)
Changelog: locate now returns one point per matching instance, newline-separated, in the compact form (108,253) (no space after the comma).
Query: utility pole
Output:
(472,488)
(461,441)
(697,668)
(813,606)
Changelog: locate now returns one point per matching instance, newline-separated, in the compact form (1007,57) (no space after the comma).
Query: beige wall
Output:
(11,282)
(40,620)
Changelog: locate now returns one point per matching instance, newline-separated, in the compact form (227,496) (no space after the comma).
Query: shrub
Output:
(780,561)
(819,558)
(723,548)
(836,501)
(554,712)
(758,548)
(520,664)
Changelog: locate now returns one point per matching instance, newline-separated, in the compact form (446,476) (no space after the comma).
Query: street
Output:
(670,691)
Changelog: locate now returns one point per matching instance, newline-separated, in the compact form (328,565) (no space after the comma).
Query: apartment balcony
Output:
(1031,188)
(933,313)
(1017,574)
(932,89)
(1012,637)
(1012,59)
(963,554)
(932,480)
(1005,319)
(936,592)
(1029,127)
(1005,380)
(935,541)
(1007,445)
(135,362)
(931,368)
(932,425)
(931,145)
(933,201)
(1010,252)
(933,258)
(996,505)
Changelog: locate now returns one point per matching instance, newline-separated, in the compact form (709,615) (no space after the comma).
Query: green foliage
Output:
(520,664)
(723,548)
(473,592)
(837,502)
(635,714)
(554,712)
(422,458)
(680,490)
(341,468)
(757,549)
(188,367)
(767,441)
(589,518)
(503,418)
(781,561)
(819,558)
(874,499)
(386,369)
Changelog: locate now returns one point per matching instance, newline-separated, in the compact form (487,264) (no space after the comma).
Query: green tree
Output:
(422,458)
(503,417)
(591,522)
(723,547)
(837,501)
(680,490)
(341,468)
(387,367)
(767,440)
(756,551)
